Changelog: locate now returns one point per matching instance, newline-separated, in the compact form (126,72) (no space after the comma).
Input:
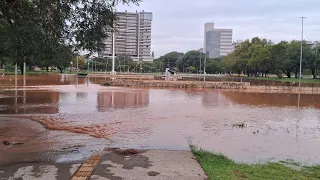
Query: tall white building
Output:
(207,27)
(132,37)
(217,42)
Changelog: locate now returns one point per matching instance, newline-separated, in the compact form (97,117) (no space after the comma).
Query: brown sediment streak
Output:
(92,130)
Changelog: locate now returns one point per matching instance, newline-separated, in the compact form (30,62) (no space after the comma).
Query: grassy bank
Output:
(218,166)
(286,79)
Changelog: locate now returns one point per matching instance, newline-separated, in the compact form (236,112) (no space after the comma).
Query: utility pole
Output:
(113,47)
(77,65)
(204,67)
(300,76)
(16,70)
(24,66)
(200,62)
(315,63)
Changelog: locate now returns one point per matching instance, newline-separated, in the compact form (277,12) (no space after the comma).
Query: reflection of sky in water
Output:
(171,118)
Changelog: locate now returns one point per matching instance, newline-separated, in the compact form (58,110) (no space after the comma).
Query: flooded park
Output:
(64,117)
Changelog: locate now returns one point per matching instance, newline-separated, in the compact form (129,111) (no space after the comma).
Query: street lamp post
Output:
(300,76)
(200,63)
(204,66)
(113,51)
(315,63)
(71,66)
(92,65)
(77,65)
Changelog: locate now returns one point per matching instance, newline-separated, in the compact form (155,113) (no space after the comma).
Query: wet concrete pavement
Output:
(38,171)
(151,164)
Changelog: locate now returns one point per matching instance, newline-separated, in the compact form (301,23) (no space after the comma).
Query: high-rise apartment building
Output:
(217,42)
(207,27)
(132,37)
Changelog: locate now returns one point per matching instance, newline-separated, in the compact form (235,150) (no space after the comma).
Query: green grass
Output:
(286,79)
(218,166)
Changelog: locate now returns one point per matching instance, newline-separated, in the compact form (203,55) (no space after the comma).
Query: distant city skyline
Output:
(178,25)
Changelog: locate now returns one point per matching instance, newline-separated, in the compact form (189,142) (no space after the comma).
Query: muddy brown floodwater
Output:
(61,113)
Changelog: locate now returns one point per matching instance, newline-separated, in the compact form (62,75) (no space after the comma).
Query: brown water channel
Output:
(79,116)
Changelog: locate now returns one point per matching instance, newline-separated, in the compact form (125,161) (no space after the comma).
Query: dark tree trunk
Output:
(47,68)
(288,73)
(314,73)
(296,74)
(21,68)
(60,69)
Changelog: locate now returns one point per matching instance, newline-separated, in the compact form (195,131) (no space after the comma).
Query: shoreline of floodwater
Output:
(237,86)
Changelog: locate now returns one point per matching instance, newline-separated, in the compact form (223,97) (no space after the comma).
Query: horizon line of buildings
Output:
(134,31)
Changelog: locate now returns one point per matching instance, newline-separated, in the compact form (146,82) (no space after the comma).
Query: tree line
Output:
(50,32)
(258,57)
(255,57)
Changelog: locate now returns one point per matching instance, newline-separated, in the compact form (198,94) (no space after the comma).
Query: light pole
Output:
(71,63)
(204,67)
(200,62)
(113,49)
(301,55)
(92,61)
(77,65)
(315,63)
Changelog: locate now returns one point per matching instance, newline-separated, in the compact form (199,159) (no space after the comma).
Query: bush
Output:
(8,67)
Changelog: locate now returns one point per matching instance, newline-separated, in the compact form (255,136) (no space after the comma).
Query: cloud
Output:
(178,24)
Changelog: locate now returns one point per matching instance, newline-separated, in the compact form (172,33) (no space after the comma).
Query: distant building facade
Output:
(313,44)
(132,37)
(217,42)
(235,44)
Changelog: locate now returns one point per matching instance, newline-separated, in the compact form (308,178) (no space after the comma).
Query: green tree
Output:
(81,62)
(124,63)
(32,29)
(294,58)
(311,58)
(213,66)
(170,59)
(191,58)
(192,69)
(278,56)
(228,63)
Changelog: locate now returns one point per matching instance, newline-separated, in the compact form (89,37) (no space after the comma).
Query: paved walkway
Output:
(113,165)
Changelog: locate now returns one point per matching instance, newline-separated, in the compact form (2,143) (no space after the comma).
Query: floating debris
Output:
(239,125)
(7,143)
(124,152)
(256,132)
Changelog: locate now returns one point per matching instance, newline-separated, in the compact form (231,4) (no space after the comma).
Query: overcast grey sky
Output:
(178,24)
